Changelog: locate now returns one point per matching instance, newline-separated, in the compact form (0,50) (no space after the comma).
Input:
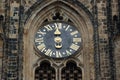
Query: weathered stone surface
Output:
(24,23)
(117,57)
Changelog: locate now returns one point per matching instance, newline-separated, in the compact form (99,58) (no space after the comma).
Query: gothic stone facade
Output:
(97,20)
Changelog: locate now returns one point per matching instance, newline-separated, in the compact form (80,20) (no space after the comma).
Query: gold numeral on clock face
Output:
(74,32)
(40,32)
(48,52)
(68,53)
(59,25)
(41,46)
(76,39)
(39,40)
(58,54)
(67,27)
(74,47)
(56,26)
(48,27)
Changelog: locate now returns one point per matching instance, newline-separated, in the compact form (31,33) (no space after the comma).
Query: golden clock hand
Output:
(57,32)
(58,46)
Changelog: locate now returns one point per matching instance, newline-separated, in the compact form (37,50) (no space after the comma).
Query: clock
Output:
(57,40)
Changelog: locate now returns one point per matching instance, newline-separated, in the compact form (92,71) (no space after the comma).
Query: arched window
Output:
(45,71)
(71,72)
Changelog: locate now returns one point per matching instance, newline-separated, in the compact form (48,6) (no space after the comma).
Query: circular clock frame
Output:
(57,39)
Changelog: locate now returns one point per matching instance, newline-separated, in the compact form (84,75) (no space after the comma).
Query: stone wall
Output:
(117,58)
(0,67)
(30,57)
(1,13)
(79,17)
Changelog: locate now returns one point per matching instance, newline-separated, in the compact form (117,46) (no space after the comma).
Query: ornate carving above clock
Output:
(58,15)
(57,39)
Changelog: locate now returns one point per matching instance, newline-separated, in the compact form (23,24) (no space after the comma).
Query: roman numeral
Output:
(74,47)
(39,40)
(40,32)
(48,27)
(58,25)
(76,39)
(41,47)
(48,52)
(74,32)
(67,27)
(58,54)
(68,53)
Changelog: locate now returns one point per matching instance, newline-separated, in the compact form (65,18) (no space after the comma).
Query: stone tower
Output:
(97,21)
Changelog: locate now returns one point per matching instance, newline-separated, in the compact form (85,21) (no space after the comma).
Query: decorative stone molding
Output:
(78,17)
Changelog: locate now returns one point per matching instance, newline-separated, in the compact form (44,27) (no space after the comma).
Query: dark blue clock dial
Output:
(57,40)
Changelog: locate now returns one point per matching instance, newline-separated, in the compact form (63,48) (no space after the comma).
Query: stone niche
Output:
(42,12)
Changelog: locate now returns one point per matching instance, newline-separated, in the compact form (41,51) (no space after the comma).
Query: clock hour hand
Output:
(57,32)
(57,39)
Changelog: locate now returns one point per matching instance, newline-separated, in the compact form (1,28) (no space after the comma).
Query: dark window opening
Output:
(71,72)
(45,72)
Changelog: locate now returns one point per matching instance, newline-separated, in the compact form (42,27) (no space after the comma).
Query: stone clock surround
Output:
(80,19)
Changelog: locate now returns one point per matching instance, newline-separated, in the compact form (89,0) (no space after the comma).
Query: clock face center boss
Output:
(57,40)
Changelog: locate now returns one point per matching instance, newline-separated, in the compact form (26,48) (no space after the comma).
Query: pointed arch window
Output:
(45,71)
(71,72)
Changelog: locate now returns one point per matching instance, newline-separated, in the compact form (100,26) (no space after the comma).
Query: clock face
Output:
(57,40)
